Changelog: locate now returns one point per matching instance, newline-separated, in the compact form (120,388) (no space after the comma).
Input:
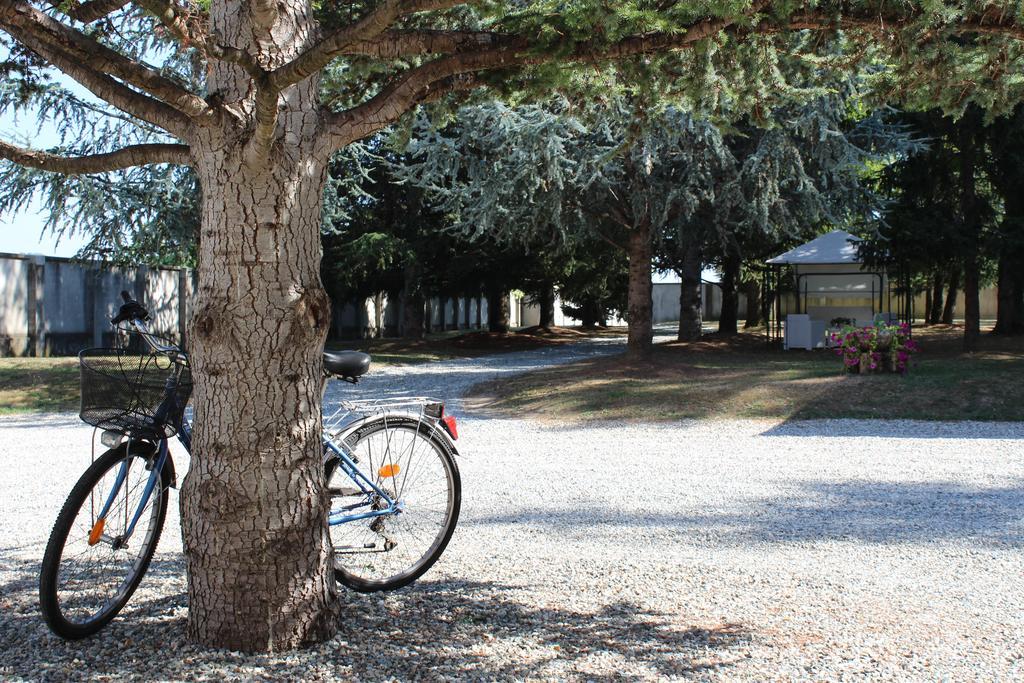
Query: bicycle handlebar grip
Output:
(130,310)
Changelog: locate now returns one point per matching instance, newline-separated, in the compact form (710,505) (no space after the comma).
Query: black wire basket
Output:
(134,390)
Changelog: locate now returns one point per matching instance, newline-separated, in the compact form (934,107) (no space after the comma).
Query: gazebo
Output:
(832,284)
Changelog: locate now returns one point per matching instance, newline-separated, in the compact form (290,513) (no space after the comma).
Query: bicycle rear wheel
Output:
(89,569)
(414,467)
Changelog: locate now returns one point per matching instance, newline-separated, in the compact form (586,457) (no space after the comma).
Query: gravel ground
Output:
(709,550)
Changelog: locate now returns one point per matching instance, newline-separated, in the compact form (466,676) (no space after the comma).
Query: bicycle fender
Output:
(147,449)
(429,429)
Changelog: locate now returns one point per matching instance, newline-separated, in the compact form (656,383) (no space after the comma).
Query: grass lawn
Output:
(456,344)
(742,378)
(51,384)
(47,384)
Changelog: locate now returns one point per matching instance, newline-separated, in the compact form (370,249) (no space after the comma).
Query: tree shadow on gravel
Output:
(897,429)
(433,630)
(863,511)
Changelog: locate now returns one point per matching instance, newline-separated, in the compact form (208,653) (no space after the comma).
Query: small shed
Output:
(831,282)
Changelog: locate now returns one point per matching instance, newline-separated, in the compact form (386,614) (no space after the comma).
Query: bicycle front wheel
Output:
(90,569)
(414,467)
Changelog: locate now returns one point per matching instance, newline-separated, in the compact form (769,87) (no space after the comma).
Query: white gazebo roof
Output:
(835,247)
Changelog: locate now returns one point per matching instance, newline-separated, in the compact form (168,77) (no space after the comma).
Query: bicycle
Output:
(387,528)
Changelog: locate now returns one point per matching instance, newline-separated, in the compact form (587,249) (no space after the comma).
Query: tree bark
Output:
(378,315)
(1009,309)
(253,507)
(949,309)
(414,301)
(590,314)
(254,513)
(640,305)
(935,310)
(728,320)
(690,297)
(972,307)
(546,302)
(443,301)
(497,310)
(752,288)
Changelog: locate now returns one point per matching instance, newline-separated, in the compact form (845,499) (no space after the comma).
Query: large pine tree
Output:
(255,96)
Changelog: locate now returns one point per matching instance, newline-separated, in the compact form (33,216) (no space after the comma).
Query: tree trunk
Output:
(972,307)
(497,310)
(1009,311)
(443,301)
(752,289)
(728,320)
(690,298)
(950,307)
(414,301)
(479,312)
(254,513)
(1018,302)
(547,307)
(639,301)
(590,313)
(378,315)
(935,311)
(253,507)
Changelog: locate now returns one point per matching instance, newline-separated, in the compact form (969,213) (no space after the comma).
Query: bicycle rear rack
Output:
(419,408)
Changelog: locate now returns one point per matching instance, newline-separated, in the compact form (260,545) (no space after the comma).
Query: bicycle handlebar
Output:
(133,312)
(130,310)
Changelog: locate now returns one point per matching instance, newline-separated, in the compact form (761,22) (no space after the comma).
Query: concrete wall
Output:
(57,306)
(665,299)
(666,302)
(988,299)
(358,320)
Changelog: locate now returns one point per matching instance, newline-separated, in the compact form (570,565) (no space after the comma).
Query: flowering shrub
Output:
(866,349)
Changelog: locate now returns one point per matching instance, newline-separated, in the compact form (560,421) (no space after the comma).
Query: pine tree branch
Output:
(88,12)
(985,23)
(270,85)
(468,52)
(190,28)
(399,43)
(131,102)
(411,87)
(133,155)
(49,35)
(386,108)
(318,56)
(367,28)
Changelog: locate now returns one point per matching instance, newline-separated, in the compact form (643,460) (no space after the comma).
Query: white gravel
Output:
(709,550)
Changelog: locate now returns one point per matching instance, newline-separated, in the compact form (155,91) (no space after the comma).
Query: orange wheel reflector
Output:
(388,471)
(97,531)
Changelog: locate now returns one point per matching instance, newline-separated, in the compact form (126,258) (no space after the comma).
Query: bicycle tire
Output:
(49,590)
(362,584)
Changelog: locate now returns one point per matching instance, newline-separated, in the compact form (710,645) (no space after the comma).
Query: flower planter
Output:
(874,350)
(865,364)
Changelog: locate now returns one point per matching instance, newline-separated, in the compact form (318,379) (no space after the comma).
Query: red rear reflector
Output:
(449,423)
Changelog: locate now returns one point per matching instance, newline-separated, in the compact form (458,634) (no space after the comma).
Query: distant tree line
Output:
(579,205)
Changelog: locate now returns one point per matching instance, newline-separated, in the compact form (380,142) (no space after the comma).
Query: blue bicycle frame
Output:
(366,486)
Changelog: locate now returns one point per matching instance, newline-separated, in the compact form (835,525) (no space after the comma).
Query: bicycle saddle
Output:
(350,364)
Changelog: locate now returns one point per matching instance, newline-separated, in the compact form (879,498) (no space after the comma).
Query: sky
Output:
(21,232)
